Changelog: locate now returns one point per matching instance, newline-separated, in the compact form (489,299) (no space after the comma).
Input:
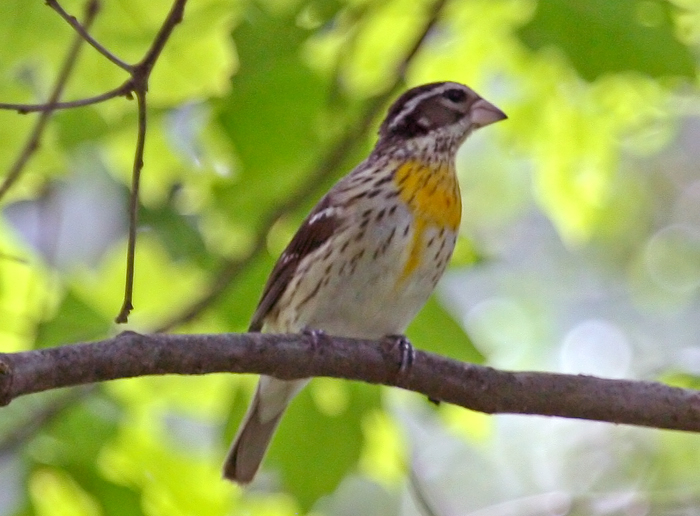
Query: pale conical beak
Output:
(485,113)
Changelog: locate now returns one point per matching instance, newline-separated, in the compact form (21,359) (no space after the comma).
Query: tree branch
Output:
(137,85)
(294,356)
(140,75)
(127,303)
(125,90)
(82,31)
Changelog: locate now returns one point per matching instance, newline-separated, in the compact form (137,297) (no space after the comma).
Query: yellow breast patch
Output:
(432,194)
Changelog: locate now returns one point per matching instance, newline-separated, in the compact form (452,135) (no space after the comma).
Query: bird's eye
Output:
(455,95)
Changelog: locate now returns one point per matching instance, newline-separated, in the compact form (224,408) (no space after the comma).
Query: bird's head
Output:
(440,113)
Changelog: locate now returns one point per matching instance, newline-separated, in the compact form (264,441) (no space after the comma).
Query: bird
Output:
(370,253)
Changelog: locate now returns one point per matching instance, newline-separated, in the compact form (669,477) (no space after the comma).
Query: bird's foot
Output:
(316,337)
(407,353)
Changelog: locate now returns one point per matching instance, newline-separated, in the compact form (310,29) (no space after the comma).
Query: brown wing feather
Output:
(318,227)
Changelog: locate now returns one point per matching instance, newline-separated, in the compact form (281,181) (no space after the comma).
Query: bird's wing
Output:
(316,229)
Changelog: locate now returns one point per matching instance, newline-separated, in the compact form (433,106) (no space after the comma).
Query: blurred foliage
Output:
(623,35)
(579,250)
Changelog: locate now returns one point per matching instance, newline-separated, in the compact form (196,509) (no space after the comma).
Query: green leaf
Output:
(600,36)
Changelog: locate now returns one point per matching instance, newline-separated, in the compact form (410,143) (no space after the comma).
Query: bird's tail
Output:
(248,449)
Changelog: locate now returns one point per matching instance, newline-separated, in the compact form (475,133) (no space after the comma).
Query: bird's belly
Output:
(376,290)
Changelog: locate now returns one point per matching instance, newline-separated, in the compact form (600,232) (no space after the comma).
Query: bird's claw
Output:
(315,337)
(407,353)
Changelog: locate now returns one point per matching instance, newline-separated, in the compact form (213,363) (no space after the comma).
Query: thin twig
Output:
(33,142)
(174,17)
(328,166)
(82,31)
(125,90)
(127,305)
(140,76)
(136,85)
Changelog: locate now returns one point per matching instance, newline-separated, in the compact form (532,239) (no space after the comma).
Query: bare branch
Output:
(294,356)
(33,142)
(174,17)
(327,167)
(137,84)
(140,76)
(125,90)
(82,30)
(127,305)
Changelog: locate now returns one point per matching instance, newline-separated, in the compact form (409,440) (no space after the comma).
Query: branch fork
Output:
(136,85)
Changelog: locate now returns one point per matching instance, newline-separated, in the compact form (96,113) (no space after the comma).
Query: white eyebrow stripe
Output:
(411,104)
